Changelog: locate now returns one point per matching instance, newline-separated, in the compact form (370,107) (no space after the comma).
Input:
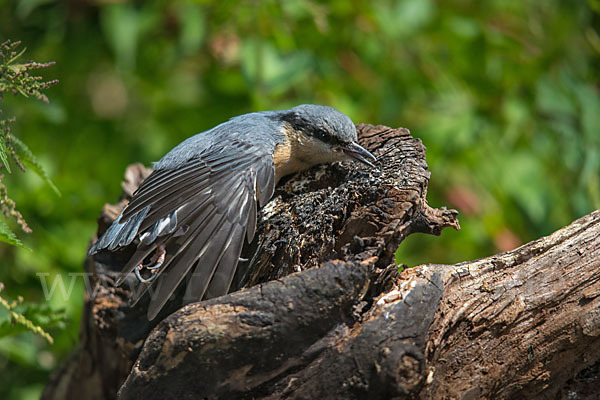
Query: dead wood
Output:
(517,324)
(520,324)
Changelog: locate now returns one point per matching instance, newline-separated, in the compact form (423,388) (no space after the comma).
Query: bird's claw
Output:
(156,262)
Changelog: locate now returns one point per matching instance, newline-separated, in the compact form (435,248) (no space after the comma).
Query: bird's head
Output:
(321,134)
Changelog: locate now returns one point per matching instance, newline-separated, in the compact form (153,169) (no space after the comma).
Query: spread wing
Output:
(200,212)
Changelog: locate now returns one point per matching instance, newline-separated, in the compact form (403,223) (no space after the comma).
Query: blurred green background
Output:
(504,95)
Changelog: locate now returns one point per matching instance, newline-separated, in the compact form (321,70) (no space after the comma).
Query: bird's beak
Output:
(359,153)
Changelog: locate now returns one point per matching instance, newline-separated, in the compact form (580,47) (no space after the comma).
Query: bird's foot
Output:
(154,266)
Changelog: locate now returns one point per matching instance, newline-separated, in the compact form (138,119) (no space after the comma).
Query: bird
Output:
(190,216)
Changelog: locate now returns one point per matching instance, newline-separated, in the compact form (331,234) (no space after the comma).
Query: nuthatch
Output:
(201,200)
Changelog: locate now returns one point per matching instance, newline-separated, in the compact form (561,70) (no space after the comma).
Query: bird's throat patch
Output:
(285,157)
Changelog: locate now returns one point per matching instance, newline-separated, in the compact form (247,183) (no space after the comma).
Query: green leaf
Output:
(3,153)
(30,161)
(28,317)
(7,236)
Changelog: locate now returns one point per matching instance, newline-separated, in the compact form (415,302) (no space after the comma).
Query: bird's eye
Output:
(322,134)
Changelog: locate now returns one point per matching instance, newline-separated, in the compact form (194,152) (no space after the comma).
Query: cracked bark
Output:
(521,324)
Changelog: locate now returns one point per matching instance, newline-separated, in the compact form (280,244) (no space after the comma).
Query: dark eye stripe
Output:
(308,129)
(326,137)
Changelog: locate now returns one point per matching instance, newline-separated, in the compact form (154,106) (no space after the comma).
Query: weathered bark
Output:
(515,325)
(518,324)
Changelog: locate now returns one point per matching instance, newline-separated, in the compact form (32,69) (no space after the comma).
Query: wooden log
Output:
(521,324)
(513,326)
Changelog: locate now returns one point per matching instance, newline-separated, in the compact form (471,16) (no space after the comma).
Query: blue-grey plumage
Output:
(190,216)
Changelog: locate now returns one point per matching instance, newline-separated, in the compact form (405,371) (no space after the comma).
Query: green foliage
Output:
(503,94)
(15,79)
(18,317)
(27,159)
(7,236)
(8,208)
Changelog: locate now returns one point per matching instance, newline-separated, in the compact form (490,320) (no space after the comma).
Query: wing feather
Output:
(202,243)
(153,194)
(251,220)
(221,280)
(200,210)
(265,181)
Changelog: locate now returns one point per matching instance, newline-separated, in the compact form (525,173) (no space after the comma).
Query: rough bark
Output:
(520,324)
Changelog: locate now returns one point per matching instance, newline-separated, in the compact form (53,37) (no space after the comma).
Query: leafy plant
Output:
(18,317)
(15,78)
